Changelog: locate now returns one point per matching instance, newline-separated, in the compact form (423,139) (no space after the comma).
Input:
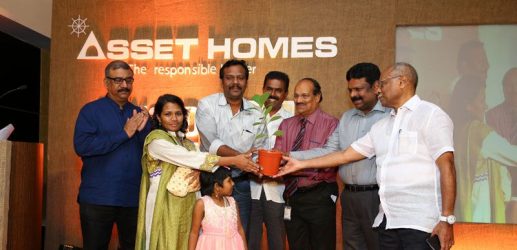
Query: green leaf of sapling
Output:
(274,118)
(278,133)
(260,136)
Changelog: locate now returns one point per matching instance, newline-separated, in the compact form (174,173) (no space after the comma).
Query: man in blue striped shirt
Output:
(360,198)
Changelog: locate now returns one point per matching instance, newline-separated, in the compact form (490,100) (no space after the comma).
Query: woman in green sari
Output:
(164,218)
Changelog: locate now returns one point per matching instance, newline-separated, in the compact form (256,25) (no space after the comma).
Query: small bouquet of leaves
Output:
(265,110)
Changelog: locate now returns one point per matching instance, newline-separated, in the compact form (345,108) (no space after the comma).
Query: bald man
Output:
(414,154)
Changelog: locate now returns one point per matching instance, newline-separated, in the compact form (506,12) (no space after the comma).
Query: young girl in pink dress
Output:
(215,220)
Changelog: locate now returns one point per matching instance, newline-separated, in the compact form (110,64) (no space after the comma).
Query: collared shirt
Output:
(112,167)
(353,125)
(272,189)
(319,127)
(218,126)
(407,144)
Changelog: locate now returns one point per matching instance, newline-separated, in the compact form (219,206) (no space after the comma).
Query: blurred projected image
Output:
(471,72)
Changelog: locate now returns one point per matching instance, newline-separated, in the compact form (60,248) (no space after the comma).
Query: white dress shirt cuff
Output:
(214,146)
(359,150)
(442,151)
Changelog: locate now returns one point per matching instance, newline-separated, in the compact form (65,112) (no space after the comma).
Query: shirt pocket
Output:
(246,138)
(408,142)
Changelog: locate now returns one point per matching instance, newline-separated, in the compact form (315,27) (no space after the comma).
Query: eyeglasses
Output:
(383,82)
(119,80)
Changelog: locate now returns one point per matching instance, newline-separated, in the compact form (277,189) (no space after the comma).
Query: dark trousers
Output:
(402,238)
(359,210)
(242,195)
(271,214)
(313,218)
(97,223)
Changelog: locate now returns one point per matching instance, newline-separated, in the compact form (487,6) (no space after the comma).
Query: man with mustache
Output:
(360,198)
(414,154)
(109,136)
(225,124)
(267,204)
(310,195)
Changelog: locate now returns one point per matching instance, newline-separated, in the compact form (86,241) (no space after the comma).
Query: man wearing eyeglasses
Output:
(360,198)
(310,195)
(415,165)
(109,137)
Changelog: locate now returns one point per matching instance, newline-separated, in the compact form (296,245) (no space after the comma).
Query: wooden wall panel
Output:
(365,31)
(5,186)
(26,195)
(21,194)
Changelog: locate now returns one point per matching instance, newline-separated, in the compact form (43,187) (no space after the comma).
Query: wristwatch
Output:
(450,219)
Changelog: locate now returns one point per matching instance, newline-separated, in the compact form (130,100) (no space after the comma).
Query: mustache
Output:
(356,98)
(274,98)
(123,90)
(235,86)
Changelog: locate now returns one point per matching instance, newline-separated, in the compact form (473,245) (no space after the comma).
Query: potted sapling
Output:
(269,160)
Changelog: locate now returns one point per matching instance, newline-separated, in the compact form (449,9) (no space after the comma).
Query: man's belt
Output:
(361,188)
(309,188)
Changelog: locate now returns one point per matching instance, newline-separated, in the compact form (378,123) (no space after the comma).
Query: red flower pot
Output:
(269,161)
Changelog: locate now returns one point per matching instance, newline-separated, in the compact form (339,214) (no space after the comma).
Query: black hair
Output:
(233,62)
(316,87)
(158,108)
(208,180)
(369,71)
(117,64)
(281,76)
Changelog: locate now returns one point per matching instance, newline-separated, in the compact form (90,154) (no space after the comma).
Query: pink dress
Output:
(219,227)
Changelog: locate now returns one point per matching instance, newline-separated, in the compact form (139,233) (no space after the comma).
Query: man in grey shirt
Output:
(360,198)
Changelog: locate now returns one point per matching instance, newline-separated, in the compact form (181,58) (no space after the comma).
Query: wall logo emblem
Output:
(78,26)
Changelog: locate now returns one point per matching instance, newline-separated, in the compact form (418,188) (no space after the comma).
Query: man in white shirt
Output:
(267,204)
(415,165)
(225,124)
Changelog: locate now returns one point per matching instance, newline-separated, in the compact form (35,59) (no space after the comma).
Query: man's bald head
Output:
(406,70)
(397,84)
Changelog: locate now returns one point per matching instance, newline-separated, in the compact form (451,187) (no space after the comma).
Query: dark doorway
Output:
(20,87)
